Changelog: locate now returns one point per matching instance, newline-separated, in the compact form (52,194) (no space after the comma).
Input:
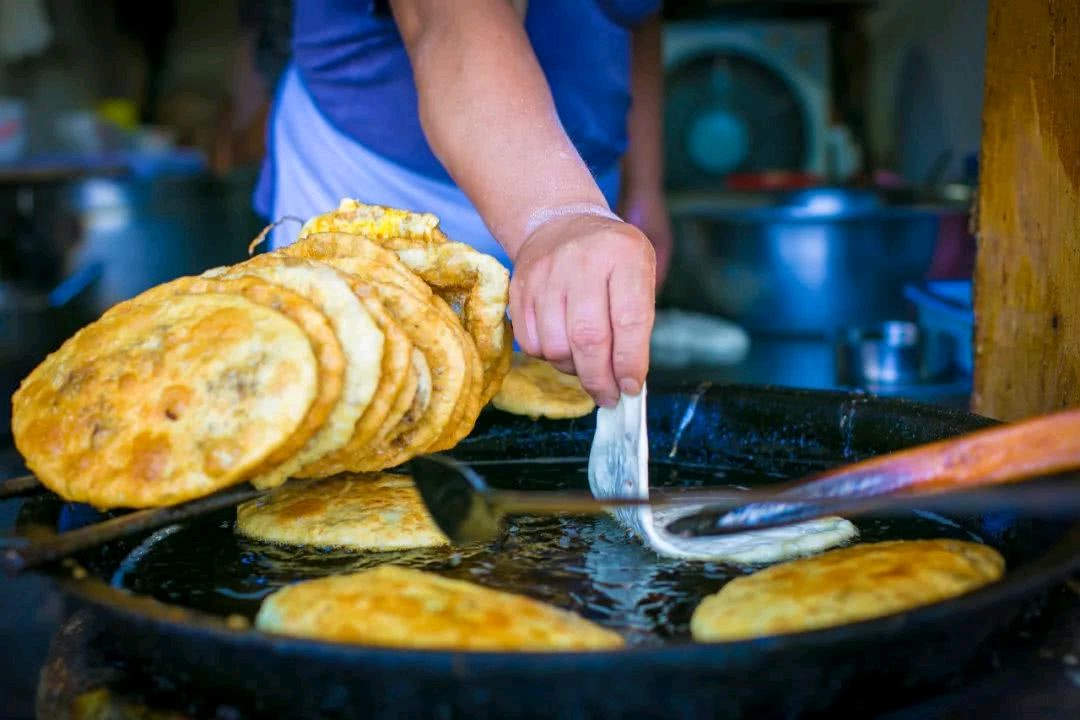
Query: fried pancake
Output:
(502,366)
(844,586)
(475,285)
(372,261)
(421,399)
(376,222)
(397,384)
(395,380)
(165,401)
(399,607)
(365,512)
(417,378)
(534,388)
(406,296)
(453,372)
(325,245)
(479,285)
(304,313)
(360,338)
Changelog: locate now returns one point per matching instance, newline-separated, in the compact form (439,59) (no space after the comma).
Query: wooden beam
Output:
(1027,276)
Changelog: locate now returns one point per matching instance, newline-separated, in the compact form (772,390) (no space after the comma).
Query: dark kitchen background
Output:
(822,166)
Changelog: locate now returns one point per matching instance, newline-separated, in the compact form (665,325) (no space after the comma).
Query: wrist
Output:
(545,217)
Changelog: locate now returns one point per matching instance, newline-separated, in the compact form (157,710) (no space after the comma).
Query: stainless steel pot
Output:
(145,232)
(804,263)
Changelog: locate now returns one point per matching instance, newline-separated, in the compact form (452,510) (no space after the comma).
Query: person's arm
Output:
(641,200)
(583,291)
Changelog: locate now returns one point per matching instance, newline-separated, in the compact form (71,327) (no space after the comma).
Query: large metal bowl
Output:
(146,231)
(810,262)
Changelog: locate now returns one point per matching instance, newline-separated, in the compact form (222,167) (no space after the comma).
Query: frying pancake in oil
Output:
(380,511)
(842,586)
(394,606)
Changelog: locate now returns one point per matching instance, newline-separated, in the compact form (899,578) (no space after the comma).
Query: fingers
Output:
(585,302)
(588,325)
(631,291)
(522,317)
(549,306)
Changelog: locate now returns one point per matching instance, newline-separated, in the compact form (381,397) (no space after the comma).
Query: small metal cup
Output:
(892,353)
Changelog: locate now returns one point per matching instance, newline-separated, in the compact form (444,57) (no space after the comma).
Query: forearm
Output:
(643,164)
(488,114)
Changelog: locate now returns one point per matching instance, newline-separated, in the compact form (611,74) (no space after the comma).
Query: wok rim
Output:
(1054,565)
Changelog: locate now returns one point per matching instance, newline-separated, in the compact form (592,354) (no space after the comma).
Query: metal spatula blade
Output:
(456,498)
(467,509)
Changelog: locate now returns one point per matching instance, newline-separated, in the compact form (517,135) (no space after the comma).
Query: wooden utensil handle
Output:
(1040,446)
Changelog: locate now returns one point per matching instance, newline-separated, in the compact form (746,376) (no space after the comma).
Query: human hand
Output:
(582,297)
(647,210)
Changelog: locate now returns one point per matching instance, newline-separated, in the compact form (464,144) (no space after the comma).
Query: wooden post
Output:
(1027,275)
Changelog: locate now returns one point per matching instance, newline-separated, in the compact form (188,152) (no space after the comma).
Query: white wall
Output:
(926,83)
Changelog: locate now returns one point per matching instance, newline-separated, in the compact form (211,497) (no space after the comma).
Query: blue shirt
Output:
(352,62)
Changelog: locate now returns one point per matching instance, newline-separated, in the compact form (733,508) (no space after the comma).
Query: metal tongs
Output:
(974,473)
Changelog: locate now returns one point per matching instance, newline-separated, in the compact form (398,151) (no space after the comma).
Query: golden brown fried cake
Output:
(304,313)
(417,379)
(479,285)
(394,380)
(399,607)
(326,245)
(450,360)
(360,338)
(376,222)
(843,586)
(420,400)
(432,327)
(365,512)
(534,388)
(476,285)
(165,401)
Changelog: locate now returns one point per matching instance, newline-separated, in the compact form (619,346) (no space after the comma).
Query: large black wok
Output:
(778,432)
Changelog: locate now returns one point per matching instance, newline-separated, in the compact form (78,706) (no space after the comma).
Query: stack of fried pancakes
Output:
(371,339)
